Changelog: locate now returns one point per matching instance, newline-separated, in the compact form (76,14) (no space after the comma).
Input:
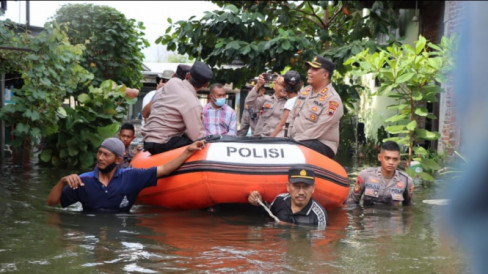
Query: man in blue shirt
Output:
(109,188)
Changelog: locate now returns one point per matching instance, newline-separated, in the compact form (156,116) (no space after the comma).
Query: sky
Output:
(153,14)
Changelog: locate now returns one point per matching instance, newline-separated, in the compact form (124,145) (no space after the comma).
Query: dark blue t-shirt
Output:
(118,196)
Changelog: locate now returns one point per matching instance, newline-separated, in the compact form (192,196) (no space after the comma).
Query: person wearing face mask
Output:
(270,107)
(297,206)
(110,188)
(219,118)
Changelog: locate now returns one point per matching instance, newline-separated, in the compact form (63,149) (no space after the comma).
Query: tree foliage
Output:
(272,35)
(113,43)
(83,128)
(411,76)
(50,69)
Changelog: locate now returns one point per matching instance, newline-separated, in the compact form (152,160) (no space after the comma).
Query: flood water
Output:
(35,238)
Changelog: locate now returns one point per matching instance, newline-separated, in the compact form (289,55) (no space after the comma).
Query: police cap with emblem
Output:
(321,62)
(301,175)
(200,73)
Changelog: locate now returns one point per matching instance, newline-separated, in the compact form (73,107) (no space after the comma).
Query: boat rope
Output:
(267,210)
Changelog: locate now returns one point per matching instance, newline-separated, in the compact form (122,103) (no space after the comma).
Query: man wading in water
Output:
(110,188)
(296,206)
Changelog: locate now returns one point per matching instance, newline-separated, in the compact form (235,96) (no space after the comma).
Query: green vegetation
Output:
(82,129)
(113,43)
(411,76)
(49,66)
(65,63)
(272,35)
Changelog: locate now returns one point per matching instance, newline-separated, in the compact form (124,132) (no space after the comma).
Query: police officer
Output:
(176,112)
(250,116)
(384,185)
(314,121)
(181,71)
(270,107)
(293,84)
(161,80)
(297,206)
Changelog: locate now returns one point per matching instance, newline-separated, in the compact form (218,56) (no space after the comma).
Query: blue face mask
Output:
(220,102)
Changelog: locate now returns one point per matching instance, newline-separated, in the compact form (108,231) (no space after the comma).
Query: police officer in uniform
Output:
(250,116)
(384,185)
(297,206)
(270,107)
(314,121)
(176,112)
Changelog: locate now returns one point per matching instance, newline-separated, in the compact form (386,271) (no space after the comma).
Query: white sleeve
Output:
(147,98)
(290,103)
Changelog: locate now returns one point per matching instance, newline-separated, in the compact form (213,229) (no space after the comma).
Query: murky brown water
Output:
(35,238)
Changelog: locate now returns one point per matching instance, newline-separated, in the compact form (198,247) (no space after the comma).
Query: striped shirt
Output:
(220,121)
(313,214)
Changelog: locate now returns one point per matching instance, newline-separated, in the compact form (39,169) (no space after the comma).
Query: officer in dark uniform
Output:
(296,206)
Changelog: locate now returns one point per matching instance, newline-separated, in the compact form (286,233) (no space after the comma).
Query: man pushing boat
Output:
(109,188)
(297,206)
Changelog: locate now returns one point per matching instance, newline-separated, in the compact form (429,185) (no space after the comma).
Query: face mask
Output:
(108,168)
(220,102)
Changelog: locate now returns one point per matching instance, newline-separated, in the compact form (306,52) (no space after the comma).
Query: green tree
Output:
(411,76)
(83,128)
(113,43)
(50,69)
(271,35)
(177,58)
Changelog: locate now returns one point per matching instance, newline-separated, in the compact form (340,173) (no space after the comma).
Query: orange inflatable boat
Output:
(229,168)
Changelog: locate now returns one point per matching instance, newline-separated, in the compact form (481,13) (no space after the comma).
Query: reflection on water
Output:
(231,238)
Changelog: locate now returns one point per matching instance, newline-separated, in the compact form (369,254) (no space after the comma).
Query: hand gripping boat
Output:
(229,168)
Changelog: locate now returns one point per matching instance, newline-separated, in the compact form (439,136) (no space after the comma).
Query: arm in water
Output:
(255,199)
(74,181)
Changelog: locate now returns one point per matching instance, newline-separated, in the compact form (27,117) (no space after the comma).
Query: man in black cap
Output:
(297,206)
(109,188)
(314,121)
(181,71)
(176,112)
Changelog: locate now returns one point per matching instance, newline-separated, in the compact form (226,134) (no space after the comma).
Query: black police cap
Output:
(201,73)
